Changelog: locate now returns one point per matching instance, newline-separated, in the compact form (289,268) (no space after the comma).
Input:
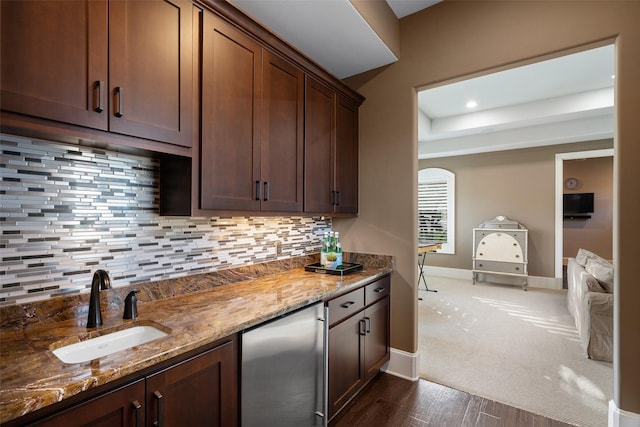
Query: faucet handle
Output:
(131,305)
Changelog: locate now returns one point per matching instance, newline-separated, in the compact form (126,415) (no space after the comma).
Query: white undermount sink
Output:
(107,344)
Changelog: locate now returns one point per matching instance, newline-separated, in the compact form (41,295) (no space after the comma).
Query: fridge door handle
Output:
(325,370)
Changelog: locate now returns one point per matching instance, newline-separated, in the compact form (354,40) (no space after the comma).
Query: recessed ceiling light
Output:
(613,76)
(472,104)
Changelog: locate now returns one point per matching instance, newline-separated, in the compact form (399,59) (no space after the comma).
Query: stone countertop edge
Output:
(32,377)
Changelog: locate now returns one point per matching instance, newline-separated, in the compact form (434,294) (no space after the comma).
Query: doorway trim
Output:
(560,158)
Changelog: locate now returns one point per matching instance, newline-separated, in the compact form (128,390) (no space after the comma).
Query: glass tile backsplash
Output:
(68,210)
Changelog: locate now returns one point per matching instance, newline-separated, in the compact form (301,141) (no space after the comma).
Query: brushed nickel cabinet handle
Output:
(137,407)
(119,105)
(99,100)
(158,396)
(363,327)
(347,304)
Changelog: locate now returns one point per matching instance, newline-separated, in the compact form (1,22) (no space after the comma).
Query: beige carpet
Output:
(515,347)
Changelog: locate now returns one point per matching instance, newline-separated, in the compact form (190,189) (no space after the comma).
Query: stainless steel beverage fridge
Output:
(283,371)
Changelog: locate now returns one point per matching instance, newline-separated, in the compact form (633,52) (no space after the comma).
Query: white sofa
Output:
(590,302)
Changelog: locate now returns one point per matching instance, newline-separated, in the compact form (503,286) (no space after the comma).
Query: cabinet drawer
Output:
(377,290)
(500,267)
(346,305)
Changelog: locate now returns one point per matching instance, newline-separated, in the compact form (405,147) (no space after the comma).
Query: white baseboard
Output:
(620,418)
(403,364)
(460,273)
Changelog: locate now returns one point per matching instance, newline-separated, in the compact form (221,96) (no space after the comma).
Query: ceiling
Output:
(567,99)
(331,32)
(562,100)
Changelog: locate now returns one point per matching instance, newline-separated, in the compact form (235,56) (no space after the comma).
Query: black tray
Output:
(345,268)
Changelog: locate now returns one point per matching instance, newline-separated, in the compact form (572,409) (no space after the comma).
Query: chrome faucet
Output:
(100,281)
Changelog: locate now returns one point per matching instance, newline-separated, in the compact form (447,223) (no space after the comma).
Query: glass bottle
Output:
(338,250)
(324,250)
(331,254)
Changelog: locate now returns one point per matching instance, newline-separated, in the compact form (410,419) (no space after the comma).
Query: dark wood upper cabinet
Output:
(252,124)
(282,142)
(319,145)
(346,157)
(231,91)
(265,129)
(331,151)
(150,69)
(53,54)
(121,66)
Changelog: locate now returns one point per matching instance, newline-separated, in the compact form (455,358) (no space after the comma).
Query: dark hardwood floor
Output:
(392,401)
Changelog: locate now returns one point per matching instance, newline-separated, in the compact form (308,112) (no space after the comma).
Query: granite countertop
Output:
(32,377)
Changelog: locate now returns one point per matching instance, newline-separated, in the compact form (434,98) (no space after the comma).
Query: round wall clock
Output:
(571,183)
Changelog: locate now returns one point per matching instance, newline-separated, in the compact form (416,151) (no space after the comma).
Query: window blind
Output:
(433,211)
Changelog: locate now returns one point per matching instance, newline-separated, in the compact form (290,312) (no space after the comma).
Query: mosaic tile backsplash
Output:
(67,211)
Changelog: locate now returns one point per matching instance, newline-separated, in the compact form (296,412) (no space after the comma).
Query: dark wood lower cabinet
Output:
(376,343)
(346,375)
(121,407)
(359,344)
(199,391)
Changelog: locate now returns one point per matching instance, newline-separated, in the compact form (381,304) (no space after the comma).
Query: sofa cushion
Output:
(593,285)
(602,270)
(585,255)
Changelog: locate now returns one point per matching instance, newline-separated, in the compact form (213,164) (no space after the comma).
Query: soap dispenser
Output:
(131,305)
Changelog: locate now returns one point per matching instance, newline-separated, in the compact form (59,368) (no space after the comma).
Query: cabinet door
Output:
(150,69)
(121,407)
(201,391)
(231,91)
(377,341)
(346,373)
(54,60)
(346,152)
(282,135)
(318,146)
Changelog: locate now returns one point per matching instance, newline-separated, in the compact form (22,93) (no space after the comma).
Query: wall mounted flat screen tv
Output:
(577,203)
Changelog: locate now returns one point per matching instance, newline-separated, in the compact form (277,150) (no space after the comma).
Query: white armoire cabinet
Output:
(500,248)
